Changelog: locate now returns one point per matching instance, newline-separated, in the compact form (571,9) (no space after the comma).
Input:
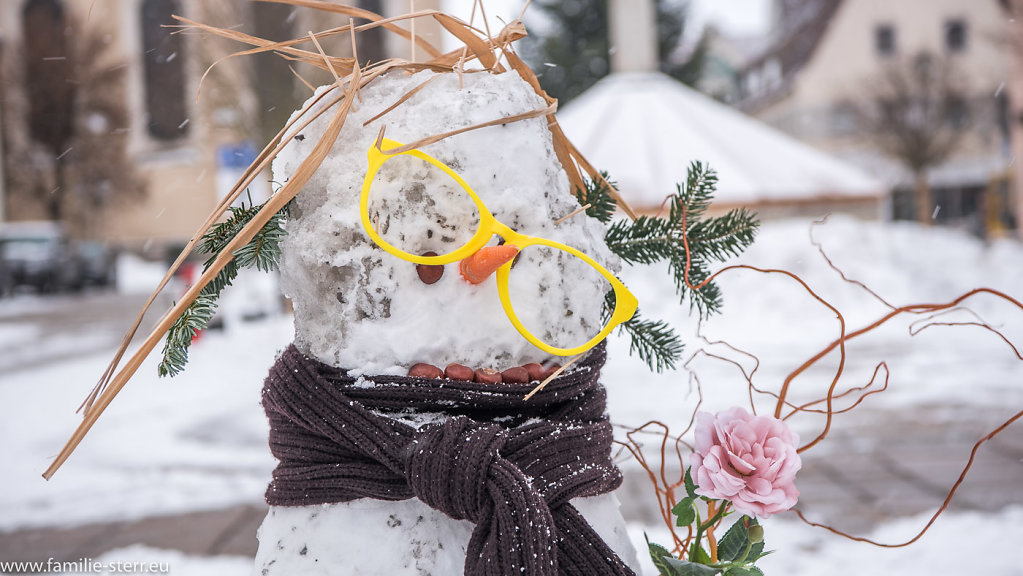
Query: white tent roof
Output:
(645,128)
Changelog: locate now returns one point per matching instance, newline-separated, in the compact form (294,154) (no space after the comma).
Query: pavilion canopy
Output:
(645,128)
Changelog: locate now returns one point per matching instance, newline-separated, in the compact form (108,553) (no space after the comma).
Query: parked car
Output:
(40,255)
(99,263)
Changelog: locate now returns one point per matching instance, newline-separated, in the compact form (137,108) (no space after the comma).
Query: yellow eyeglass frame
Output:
(625,302)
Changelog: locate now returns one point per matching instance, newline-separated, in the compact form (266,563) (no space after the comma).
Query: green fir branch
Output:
(194,319)
(654,341)
(597,194)
(648,239)
(643,241)
(262,252)
(723,237)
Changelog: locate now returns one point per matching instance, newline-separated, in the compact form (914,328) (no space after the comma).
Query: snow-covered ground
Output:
(773,317)
(956,544)
(971,538)
(198,441)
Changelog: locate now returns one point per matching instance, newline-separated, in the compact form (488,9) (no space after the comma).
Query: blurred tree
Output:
(99,170)
(50,96)
(916,111)
(67,157)
(570,46)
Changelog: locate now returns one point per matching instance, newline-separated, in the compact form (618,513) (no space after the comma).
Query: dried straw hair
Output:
(481,53)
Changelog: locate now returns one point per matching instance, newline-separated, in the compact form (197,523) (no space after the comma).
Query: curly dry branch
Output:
(666,474)
(941,509)
(863,391)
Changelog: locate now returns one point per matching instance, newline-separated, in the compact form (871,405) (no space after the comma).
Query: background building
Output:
(105,128)
(828,78)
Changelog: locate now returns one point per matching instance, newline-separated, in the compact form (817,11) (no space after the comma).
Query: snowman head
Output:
(380,246)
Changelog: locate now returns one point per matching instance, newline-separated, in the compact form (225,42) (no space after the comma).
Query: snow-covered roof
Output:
(645,128)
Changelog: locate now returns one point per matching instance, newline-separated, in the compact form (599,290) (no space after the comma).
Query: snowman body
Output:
(361,309)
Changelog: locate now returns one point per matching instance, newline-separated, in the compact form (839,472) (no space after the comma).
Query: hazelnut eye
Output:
(429,273)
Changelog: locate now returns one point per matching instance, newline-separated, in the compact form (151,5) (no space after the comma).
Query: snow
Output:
(359,307)
(419,536)
(774,318)
(799,551)
(194,442)
(148,560)
(198,441)
(137,276)
(642,127)
(960,543)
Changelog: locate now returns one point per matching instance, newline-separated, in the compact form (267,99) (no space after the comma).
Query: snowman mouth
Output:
(532,372)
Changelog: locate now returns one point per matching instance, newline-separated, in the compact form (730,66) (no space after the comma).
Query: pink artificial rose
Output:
(749,460)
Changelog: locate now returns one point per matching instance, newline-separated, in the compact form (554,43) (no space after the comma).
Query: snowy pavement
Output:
(71,326)
(198,442)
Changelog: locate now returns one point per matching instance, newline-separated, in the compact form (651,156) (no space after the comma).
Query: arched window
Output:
(275,84)
(371,42)
(163,58)
(47,70)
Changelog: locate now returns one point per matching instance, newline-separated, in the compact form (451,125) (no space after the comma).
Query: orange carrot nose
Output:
(485,261)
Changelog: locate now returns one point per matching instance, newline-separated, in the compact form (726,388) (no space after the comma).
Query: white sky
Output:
(735,16)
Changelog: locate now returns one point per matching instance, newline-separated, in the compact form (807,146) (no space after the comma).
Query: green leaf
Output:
(683,568)
(690,485)
(660,556)
(734,542)
(685,511)
(736,539)
(698,554)
(736,570)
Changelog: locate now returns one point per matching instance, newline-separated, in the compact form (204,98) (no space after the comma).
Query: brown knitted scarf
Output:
(510,467)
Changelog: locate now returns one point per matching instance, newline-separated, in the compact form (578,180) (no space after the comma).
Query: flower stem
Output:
(712,542)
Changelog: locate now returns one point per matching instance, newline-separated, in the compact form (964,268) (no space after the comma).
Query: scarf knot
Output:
(508,466)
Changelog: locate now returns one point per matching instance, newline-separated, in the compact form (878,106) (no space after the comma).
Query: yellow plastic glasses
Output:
(488,227)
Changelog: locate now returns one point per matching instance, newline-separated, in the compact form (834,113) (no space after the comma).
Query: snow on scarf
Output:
(510,467)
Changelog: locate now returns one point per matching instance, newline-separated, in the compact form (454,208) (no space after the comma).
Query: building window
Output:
(275,83)
(957,113)
(47,69)
(772,73)
(884,40)
(372,42)
(163,58)
(955,36)
(844,119)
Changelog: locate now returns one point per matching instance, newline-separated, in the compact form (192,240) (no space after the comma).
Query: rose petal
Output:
(750,460)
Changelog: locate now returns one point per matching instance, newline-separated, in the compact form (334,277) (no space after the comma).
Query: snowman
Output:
(433,287)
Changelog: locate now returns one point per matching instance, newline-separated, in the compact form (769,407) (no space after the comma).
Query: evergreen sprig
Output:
(597,194)
(263,253)
(649,239)
(653,341)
